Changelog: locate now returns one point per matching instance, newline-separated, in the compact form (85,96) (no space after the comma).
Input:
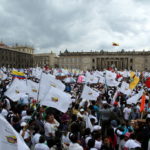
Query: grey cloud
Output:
(76,24)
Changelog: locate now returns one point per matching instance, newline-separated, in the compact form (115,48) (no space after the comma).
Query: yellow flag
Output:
(132,74)
(134,82)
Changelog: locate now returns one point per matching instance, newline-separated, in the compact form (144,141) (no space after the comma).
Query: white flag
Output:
(32,89)
(91,79)
(48,81)
(16,89)
(125,88)
(89,94)
(36,72)
(110,75)
(134,99)
(57,99)
(111,78)
(9,138)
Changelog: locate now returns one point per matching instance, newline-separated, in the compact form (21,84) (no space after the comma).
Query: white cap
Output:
(23,124)
(81,109)
(96,127)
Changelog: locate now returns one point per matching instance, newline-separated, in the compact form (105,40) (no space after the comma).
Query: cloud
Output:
(76,25)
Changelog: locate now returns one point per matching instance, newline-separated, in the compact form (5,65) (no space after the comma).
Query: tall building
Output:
(101,60)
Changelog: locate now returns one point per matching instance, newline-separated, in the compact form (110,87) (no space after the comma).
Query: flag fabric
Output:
(142,103)
(17,74)
(147,82)
(110,78)
(58,99)
(134,99)
(9,138)
(112,82)
(33,88)
(81,79)
(48,81)
(125,88)
(91,79)
(132,74)
(36,72)
(115,44)
(69,80)
(134,82)
(44,85)
(110,75)
(89,94)
(126,73)
(16,90)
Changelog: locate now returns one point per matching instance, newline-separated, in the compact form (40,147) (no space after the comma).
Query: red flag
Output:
(147,82)
(142,103)
(119,76)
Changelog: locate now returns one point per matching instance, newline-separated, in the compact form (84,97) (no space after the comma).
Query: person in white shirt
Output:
(41,145)
(36,136)
(91,144)
(25,133)
(50,126)
(74,144)
(132,143)
(127,111)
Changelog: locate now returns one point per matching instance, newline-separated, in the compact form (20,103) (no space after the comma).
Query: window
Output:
(93,60)
(131,60)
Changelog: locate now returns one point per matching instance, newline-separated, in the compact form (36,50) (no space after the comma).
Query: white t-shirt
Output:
(75,146)
(127,112)
(35,138)
(26,135)
(132,144)
(50,128)
(41,146)
(98,144)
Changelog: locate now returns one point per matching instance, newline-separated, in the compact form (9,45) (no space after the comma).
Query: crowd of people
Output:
(87,125)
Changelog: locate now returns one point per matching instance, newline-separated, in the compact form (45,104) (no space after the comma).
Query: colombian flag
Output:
(19,75)
(115,44)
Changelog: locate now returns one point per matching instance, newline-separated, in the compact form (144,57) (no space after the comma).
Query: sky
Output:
(76,25)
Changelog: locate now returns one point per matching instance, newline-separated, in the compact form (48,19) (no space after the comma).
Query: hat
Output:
(23,124)
(104,102)
(127,134)
(114,123)
(96,127)
(81,109)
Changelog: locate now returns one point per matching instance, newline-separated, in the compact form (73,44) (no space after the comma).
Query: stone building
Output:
(14,58)
(24,49)
(43,59)
(100,60)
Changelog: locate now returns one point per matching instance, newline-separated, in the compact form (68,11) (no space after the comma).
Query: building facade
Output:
(24,49)
(43,59)
(23,57)
(102,60)
(15,59)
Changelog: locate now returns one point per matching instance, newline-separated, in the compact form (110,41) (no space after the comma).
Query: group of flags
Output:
(50,92)
(45,93)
